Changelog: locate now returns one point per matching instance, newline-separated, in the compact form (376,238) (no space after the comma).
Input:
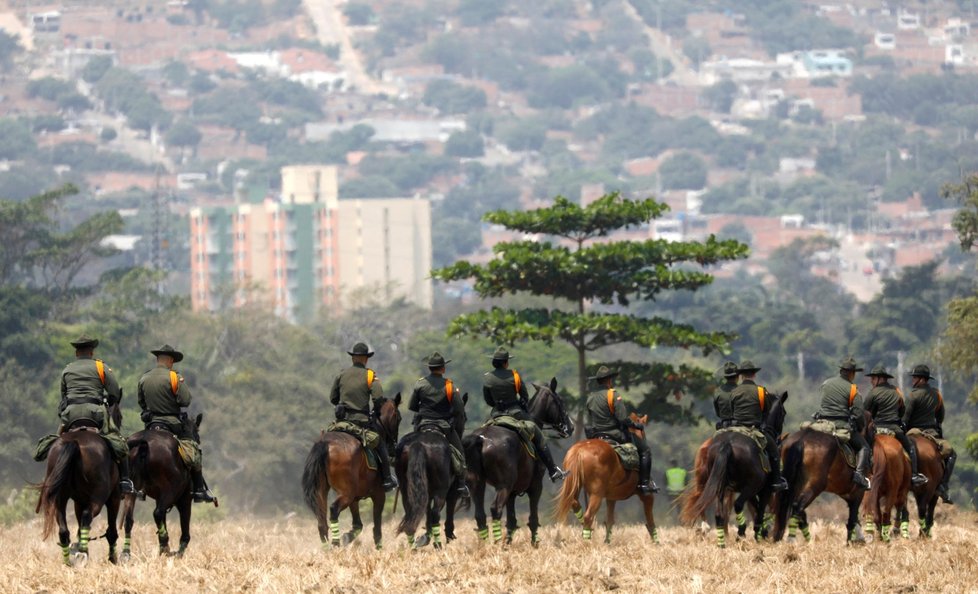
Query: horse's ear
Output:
(535,385)
(784,397)
(199,418)
(397,399)
(644,419)
(553,384)
(465,398)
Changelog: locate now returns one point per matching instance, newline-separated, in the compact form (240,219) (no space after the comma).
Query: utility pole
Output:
(801,366)
(900,375)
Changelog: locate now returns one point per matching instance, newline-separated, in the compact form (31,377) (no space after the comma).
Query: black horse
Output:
(496,456)
(423,462)
(732,464)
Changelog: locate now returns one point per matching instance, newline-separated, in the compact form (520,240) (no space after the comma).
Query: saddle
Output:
(842,436)
(519,427)
(627,452)
(189,451)
(943,446)
(755,435)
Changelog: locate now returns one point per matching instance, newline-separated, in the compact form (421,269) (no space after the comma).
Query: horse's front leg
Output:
(357,526)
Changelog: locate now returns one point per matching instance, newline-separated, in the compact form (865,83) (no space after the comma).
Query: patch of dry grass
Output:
(285,556)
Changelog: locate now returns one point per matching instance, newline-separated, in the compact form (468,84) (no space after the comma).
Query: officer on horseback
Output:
(722,402)
(88,386)
(885,403)
(505,392)
(353,390)
(607,415)
(842,404)
(749,404)
(436,403)
(163,396)
(925,412)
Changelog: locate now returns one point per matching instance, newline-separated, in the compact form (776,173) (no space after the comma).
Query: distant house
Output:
(817,63)
(391,129)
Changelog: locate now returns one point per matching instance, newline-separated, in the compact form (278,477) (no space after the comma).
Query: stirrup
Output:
(126,487)
(918,480)
(779,485)
(557,474)
(648,488)
(861,481)
(204,496)
(390,483)
(944,493)
(463,490)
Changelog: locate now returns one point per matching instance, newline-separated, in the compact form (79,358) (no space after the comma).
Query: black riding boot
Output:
(390,483)
(125,483)
(916,478)
(201,493)
(777,480)
(862,467)
(645,483)
(942,490)
(553,470)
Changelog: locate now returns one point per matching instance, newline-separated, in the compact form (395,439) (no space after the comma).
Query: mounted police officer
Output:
(504,390)
(436,403)
(163,398)
(750,404)
(608,416)
(353,390)
(88,387)
(925,411)
(842,404)
(885,403)
(722,403)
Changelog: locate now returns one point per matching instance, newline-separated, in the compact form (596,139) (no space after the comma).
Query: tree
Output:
(96,68)
(721,95)
(18,142)
(450,97)
(683,171)
(591,277)
(697,49)
(183,134)
(9,47)
(358,14)
(480,12)
(465,143)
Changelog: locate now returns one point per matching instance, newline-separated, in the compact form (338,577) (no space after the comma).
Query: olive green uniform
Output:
(611,421)
(500,392)
(925,411)
(745,400)
(161,404)
(885,403)
(835,407)
(352,396)
(722,403)
(85,396)
(434,412)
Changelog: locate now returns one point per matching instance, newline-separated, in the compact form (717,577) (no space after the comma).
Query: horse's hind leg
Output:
(534,521)
(511,523)
(434,519)
(852,524)
(451,500)
(128,521)
(593,504)
(112,532)
(159,516)
(740,506)
(339,504)
(378,499)
(64,534)
(496,509)
(648,504)
(357,526)
(479,503)
(184,507)
(609,520)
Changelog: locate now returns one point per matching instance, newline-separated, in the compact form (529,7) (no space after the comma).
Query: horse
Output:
(890,486)
(495,455)
(593,465)
(338,462)
(159,472)
(930,464)
(80,467)
(423,461)
(813,462)
(730,463)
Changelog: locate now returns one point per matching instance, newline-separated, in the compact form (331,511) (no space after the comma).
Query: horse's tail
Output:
(573,481)
(792,470)
(53,484)
(472,446)
(693,492)
(415,489)
(315,483)
(712,490)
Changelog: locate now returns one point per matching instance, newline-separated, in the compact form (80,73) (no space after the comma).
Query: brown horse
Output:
(593,465)
(80,467)
(931,465)
(338,461)
(813,462)
(890,486)
(159,472)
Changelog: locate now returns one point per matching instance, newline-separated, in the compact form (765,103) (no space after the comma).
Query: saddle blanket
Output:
(943,446)
(525,430)
(757,437)
(628,454)
(841,435)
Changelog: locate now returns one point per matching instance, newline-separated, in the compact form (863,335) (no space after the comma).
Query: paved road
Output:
(664,46)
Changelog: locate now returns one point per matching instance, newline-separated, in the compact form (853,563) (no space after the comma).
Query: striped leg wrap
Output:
(410,538)
(326,546)
(806,533)
(607,534)
(127,544)
(586,532)
(83,537)
(66,553)
(534,538)
(853,534)
(885,532)
(483,533)
(655,535)
(741,519)
(378,546)
(497,530)
(792,527)
(436,535)
(870,527)
(768,522)
(161,531)
(580,515)
(721,537)
(905,529)
(334,532)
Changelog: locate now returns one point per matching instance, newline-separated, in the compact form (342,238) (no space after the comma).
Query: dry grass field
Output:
(285,556)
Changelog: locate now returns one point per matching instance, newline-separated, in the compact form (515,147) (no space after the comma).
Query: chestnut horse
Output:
(338,461)
(593,465)
(931,465)
(813,462)
(730,463)
(890,486)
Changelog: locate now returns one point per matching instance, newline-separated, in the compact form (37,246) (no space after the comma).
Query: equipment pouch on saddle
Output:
(759,439)
(44,446)
(190,453)
(525,429)
(369,439)
(628,454)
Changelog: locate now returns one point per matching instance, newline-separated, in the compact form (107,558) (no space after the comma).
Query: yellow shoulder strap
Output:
(516,381)
(174,382)
(611,400)
(370,378)
(853,390)
(760,396)
(101,370)
(449,390)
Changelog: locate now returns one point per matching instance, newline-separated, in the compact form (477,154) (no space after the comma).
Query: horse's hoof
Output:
(125,557)
(438,546)
(422,541)
(79,559)
(347,539)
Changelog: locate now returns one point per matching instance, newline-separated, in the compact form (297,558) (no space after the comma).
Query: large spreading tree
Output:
(592,280)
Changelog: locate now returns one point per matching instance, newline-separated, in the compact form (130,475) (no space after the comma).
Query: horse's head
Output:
(644,419)
(458,421)
(548,410)
(774,420)
(196,427)
(389,419)
(115,413)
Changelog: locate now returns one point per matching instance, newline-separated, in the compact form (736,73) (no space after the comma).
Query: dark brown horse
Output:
(338,462)
(890,486)
(159,472)
(593,466)
(931,465)
(814,462)
(729,463)
(80,467)
(495,456)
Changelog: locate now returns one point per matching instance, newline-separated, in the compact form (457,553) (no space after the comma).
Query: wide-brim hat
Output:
(879,371)
(361,348)
(921,371)
(436,360)
(168,351)
(748,367)
(84,341)
(730,369)
(603,372)
(849,364)
(502,354)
